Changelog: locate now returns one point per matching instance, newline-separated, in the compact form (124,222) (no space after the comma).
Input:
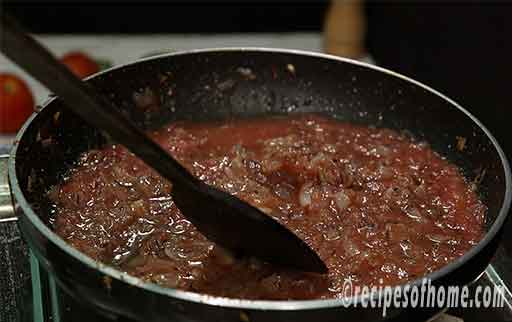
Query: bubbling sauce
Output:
(375,205)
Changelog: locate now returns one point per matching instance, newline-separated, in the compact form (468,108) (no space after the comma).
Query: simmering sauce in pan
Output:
(376,206)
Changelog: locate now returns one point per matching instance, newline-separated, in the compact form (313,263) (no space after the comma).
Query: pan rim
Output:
(264,305)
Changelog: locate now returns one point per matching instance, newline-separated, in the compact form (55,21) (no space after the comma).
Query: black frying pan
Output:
(227,83)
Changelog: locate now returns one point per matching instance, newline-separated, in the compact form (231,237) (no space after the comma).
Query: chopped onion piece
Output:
(342,200)
(305,194)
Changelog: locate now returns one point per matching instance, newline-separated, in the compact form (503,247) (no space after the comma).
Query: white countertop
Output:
(120,49)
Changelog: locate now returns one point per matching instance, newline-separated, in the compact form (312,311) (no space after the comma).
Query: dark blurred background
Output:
(168,16)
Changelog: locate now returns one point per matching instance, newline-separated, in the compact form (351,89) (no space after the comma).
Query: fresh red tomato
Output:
(80,64)
(16,103)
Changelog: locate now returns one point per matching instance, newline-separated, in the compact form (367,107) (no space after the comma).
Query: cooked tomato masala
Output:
(376,205)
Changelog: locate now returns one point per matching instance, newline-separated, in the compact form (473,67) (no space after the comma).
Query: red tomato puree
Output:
(376,206)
